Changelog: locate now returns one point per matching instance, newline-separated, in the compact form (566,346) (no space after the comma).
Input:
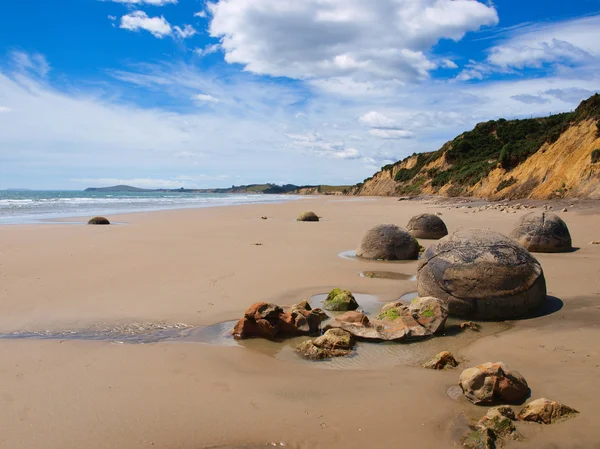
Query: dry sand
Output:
(201,267)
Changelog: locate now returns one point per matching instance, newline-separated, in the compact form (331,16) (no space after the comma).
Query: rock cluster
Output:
(542,232)
(264,320)
(427,226)
(388,242)
(482,274)
(424,317)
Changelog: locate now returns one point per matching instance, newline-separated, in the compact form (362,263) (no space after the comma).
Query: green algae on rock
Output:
(340,300)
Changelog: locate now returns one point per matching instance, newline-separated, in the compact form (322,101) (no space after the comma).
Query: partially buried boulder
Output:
(492,429)
(339,300)
(98,221)
(308,216)
(482,274)
(542,232)
(396,322)
(492,383)
(333,343)
(427,226)
(441,361)
(264,320)
(388,242)
(546,411)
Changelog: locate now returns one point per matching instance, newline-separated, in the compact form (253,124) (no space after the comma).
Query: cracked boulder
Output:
(482,274)
(542,232)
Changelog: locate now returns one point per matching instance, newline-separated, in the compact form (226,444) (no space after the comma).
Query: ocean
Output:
(24,207)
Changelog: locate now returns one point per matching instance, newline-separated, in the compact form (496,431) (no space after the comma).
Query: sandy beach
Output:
(198,267)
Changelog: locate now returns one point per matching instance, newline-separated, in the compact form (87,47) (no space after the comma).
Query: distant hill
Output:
(550,157)
(121,188)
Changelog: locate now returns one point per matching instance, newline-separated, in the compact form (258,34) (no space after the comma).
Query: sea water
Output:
(20,207)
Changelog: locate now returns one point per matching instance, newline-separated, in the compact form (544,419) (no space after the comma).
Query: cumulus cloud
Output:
(384,127)
(202,14)
(158,26)
(387,39)
(139,20)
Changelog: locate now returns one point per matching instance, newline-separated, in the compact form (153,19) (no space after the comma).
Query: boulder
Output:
(339,300)
(98,221)
(264,320)
(482,274)
(491,383)
(427,226)
(441,361)
(388,242)
(542,232)
(546,411)
(333,343)
(308,216)
(396,322)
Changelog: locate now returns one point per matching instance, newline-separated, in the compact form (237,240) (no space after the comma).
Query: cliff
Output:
(551,157)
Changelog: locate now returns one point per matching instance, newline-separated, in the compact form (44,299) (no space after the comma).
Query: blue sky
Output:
(171,93)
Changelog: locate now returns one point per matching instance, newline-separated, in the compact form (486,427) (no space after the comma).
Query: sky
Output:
(195,94)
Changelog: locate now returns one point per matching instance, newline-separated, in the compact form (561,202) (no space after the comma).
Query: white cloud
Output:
(205,98)
(139,20)
(4,109)
(385,40)
(113,18)
(185,32)
(209,49)
(202,14)
(376,120)
(391,133)
(316,144)
(34,62)
(146,2)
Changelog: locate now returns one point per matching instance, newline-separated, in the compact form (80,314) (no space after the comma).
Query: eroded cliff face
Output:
(563,169)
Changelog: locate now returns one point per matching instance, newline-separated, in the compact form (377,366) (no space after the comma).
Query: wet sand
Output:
(200,267)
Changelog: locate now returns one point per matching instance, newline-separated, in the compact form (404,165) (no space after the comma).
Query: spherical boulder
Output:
(542,232)
(98,221)
(340,300)
(482,274)
(427,226)
(388,242)
(308,216)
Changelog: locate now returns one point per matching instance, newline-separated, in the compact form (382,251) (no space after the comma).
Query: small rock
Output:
(441,361)
(470,325)
(308,216)
(595,242)
(546,411)
(564,210)
(98,221)
(340,300)
(263,218)
(334,343)
(492,383)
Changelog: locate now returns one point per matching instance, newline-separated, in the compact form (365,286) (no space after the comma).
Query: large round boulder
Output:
(98,221)
(482,274)
(427,226)
(542,232)
(388,242)
(308,216)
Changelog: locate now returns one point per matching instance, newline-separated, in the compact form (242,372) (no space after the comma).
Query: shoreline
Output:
(201,267)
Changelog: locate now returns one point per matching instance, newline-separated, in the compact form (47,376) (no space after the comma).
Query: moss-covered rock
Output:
(98,221)
(340,300)
(333,343)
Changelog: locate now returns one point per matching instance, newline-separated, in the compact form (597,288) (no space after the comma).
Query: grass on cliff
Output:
(474,154)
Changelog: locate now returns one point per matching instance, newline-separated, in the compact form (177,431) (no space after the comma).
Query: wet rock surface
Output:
(264,320)
(388,242)
(427,226)
(491,430)
(545,411)
(482,274)
(542,232)
(493,383)
(396,322)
